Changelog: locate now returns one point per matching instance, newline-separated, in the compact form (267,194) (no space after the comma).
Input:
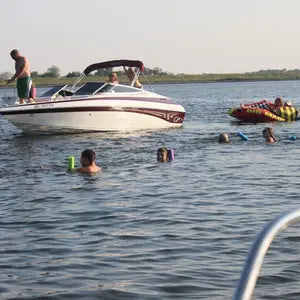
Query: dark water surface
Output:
(144,230)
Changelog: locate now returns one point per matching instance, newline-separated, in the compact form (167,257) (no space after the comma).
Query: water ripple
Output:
(144,230)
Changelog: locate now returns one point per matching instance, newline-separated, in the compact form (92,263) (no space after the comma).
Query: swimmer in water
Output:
(223,138)
(88,158)
(162,154)
(268,134)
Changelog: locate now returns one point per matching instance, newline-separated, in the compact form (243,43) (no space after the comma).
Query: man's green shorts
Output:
(23,87)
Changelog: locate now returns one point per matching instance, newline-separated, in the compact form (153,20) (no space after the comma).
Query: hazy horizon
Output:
(191,37)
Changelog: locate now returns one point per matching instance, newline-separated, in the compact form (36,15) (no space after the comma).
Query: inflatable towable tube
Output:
(261,112)
(254,115)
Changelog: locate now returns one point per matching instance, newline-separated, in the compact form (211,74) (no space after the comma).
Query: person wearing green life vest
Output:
(284,110)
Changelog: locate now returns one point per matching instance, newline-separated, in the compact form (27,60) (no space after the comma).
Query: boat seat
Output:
(65,93)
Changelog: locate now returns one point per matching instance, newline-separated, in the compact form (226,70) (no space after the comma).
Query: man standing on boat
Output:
(22,75)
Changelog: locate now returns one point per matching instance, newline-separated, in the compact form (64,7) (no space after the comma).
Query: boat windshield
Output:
(89,88)
(124,89)
(116,88)
(92,88)
(53,90)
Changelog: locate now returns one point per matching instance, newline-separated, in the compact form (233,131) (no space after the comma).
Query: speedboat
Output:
(95,106)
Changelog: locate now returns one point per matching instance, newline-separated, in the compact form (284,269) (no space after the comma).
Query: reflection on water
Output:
(146,230)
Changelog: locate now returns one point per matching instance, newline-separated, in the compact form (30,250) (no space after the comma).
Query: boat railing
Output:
(252,267)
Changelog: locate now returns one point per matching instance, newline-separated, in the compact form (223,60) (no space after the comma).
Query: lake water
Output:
(147,230)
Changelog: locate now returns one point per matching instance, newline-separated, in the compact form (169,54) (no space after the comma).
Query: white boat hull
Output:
(87,121)
(94,115)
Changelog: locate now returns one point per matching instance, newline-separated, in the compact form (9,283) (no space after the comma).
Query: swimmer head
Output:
(223,138)
(267,132)
(165,155)
(88,156)
(162,154)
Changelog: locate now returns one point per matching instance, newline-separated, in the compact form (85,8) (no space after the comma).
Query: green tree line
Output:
(157,75)
(54,72)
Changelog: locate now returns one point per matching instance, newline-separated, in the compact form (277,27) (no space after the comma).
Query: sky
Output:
(178,36)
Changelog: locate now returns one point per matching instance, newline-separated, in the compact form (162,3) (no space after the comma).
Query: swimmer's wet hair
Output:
(162,150)
(89,154)
(223,138)
(268,130)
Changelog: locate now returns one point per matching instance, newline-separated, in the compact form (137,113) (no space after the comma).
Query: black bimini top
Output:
(114,63)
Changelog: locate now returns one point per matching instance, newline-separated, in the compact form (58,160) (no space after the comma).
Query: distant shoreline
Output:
(173,79)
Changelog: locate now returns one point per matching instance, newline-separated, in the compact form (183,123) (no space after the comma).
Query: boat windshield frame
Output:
(137,66)
(123,89)
(108,88)
(95,88)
